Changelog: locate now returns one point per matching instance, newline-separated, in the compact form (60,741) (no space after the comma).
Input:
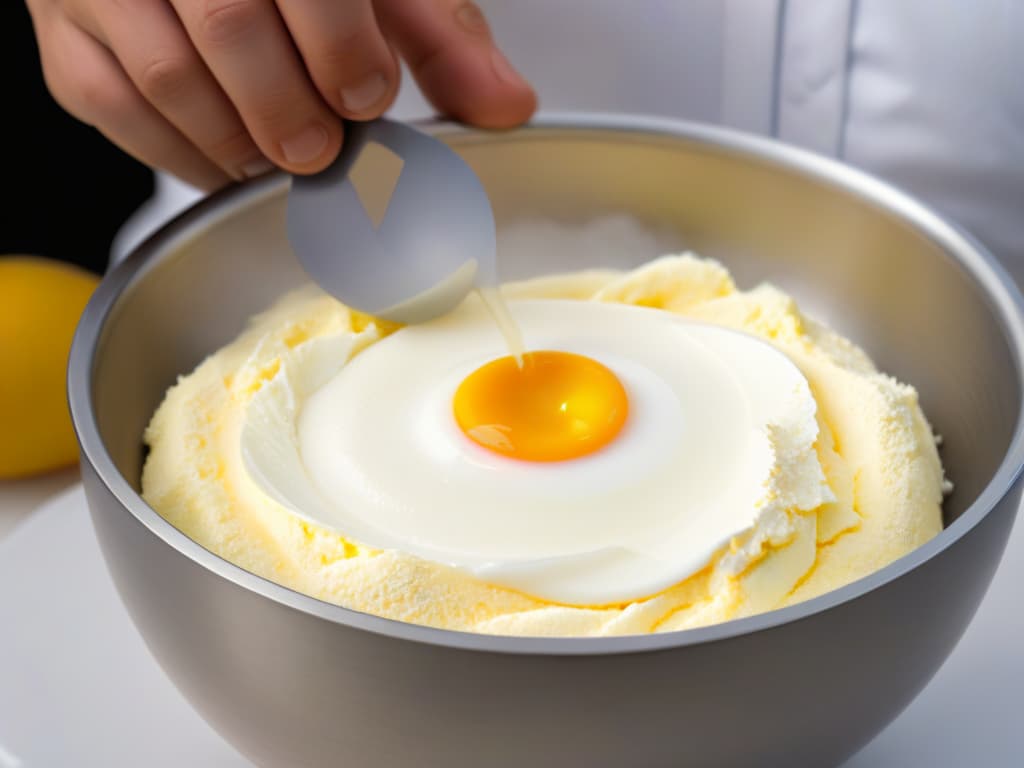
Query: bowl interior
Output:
(846,254)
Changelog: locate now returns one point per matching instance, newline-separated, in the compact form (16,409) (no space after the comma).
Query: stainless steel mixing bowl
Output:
(292,681)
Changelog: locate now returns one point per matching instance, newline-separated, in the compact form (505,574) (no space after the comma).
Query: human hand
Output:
(214,90)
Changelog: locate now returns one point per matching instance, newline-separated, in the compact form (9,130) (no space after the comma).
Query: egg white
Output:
(373,451)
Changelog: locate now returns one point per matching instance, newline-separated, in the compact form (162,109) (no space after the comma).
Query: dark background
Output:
(66,189)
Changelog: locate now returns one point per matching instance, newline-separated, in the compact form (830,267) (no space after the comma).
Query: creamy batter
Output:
(865,488)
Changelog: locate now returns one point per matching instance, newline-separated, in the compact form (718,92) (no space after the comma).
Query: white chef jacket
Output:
(927,94)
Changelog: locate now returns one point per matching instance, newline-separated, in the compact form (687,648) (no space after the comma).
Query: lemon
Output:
(40,303)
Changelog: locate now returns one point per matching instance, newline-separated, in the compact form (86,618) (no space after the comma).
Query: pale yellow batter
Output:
(875,447)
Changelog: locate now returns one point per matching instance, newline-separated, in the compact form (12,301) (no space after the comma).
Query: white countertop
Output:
(102,702)
(19,498)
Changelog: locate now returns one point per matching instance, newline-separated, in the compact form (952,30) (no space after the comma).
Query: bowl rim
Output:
(1000,291)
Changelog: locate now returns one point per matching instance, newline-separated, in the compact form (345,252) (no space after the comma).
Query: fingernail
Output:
(504,70)
(305,146)
(471,18)
(364,95)
(256,167)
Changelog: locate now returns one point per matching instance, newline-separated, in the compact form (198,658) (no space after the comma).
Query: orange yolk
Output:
(557,406)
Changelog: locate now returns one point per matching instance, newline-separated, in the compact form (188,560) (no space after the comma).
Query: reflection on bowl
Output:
(290,680)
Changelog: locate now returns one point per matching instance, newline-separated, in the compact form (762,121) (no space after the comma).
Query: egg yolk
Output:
(558,406)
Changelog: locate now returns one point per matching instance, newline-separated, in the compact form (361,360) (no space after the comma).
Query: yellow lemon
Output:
(40,302)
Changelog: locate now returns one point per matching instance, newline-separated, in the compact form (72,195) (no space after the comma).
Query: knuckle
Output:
(166,79)
(56,84)
(53,77)
(99,98)
(77,83)
(223,22)
(88,94)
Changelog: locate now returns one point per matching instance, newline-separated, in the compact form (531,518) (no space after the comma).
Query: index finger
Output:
(452,54)
(248,49)
(345,54)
